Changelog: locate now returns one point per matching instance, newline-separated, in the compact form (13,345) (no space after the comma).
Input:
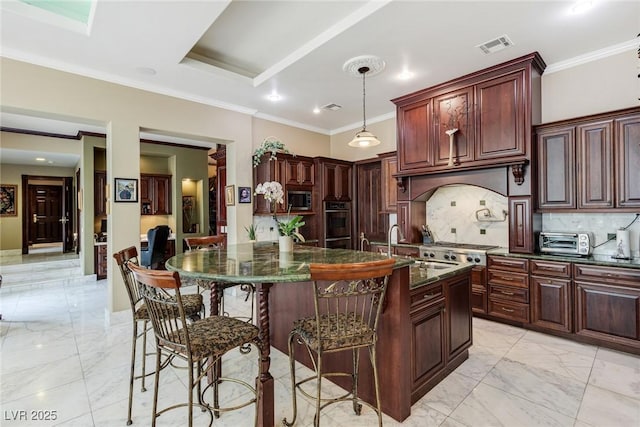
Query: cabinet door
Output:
(100,254)
(556,169)
(459,316)
(299,172)
(608,312)
(411,216)
(627,161)
(595,165)
(344,180)
(161,195)
(551,303)
(521,231)
(501,129)
(479,289)
(454,111)
(146,195)
(389,186)
(371,221)
(99,195)
(415,145)
(267,170)
(428,331)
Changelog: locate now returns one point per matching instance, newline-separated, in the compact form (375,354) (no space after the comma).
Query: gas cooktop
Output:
(461,246)
(456,252)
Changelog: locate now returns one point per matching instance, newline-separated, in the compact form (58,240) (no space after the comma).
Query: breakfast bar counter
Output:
(284,293)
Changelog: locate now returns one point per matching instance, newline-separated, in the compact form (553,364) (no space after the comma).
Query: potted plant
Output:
(251,232)
(269,145)
(288,230)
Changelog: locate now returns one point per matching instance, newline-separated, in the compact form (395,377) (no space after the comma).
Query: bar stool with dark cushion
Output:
(348,300)
(194,309)
(201,344)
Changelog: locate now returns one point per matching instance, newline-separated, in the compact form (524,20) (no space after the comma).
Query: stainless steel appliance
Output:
(337,225)
(566,243)
(457,252)
(299,200)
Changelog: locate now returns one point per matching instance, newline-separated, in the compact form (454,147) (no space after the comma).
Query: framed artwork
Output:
(8,200)
(244,195)
(125,190)
(229,195)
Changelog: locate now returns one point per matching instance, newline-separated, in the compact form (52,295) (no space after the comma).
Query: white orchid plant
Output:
(273,193)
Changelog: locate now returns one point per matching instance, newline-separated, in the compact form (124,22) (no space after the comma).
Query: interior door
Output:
(45,213)
(68,195)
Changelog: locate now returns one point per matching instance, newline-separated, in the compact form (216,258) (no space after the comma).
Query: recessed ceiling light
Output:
(273,96)
(40,159)
(147,71)
(405,74)
(581,6)
(316,110)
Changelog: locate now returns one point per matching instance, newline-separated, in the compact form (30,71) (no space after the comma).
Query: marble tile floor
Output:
(62,351)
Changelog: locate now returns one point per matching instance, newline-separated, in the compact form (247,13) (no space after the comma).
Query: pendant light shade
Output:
(368,65)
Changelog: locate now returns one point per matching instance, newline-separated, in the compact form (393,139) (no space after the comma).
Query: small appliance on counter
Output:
(623,246)
(566,243)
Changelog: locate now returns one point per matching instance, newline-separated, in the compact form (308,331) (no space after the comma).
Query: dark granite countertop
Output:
(262,262)
(603,260)
(423,276)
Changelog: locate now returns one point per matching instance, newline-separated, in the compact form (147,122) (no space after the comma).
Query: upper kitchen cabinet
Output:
(579,158)
(491,111)
(389,163)
(269,170)
(155,194)
(627,131)
(299,172)
(336,177)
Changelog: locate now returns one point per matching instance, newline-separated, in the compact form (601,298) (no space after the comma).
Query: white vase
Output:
(285,243)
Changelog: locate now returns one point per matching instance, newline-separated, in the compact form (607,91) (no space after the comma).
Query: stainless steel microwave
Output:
(564,243)
(299,200)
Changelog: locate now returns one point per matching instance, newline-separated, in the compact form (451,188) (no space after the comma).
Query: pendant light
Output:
(364,65)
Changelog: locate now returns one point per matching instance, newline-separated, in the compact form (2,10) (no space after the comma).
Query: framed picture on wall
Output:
(229,195)
(244,195)
(8,200)
(125,190)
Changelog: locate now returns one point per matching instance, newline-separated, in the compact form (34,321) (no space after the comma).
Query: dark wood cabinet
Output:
(411,217)
(155,194)
(503,129)
(389,184)
(551,295)
(493,110)
(441,332)
(99,193)
(415,135)
(479,294)
(371,220)
(299,172)
(587,163)
(100,259)
(508,282)
(607,304)
(522,225)
(337,180)
(269,170)
(627,132)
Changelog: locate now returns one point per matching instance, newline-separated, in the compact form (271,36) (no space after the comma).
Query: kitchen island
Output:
(424,332)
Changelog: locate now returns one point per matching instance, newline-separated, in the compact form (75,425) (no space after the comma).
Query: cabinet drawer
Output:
(407,251)
(610,275)
(509,310)
(550,268)
(510,293)
(509,264)
(426,295)
(499,277)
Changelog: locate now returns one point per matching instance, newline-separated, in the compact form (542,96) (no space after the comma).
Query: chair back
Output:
(348,300)
(157,242)
(206,242)
(166,312)
(123,258)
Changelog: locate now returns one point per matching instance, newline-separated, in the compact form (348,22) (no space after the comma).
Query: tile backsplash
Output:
(451,215)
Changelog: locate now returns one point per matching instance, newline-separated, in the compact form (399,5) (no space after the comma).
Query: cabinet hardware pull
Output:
(508,310)
(506,293)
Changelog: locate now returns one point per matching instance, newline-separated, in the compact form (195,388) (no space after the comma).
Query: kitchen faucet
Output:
(389,237)
(362,240)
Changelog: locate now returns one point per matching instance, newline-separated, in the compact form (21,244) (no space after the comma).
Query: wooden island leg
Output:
(264,383)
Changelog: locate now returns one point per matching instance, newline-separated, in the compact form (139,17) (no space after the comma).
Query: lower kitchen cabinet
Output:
(479,289)
(551,295)
(441,331)
(508,281)
(608,304)
(100,257)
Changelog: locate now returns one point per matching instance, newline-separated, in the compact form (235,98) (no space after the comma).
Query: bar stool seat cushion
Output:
(336,331)
(192,306)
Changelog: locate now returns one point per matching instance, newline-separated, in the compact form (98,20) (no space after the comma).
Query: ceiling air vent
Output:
(496,44)
(332,107)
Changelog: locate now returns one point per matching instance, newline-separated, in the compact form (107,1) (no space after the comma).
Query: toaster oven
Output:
(564,243)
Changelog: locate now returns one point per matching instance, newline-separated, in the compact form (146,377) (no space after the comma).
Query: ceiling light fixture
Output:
(581,6)
(364,65)
(40,159)
(274,96)
(405,74)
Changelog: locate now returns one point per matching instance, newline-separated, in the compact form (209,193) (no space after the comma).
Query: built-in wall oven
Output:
(337,225)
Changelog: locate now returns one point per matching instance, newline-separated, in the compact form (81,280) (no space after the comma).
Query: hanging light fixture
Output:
(363,66)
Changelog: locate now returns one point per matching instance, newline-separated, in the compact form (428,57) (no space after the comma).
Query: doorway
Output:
(47,219)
